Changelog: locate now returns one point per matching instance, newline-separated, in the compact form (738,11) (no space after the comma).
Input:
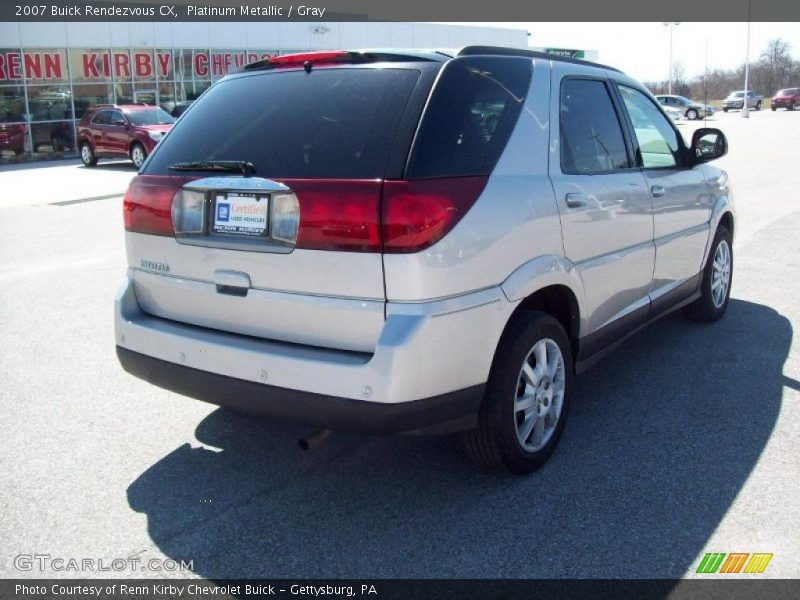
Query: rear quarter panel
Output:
(514,220)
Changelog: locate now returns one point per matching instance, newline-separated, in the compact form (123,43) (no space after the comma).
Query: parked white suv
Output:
(414,242)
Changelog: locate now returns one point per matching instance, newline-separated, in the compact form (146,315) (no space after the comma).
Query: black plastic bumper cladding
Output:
(447,413)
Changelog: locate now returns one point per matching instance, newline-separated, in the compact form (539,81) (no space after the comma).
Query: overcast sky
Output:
(642,49)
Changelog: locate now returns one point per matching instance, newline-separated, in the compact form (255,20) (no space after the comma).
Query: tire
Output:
(758,105)
(691,114)
(138,154)
(711,305)
(725,109)
(87,155)
(773,109)
(495,444)
(792,106)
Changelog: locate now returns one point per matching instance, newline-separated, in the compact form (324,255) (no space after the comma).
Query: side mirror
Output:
(708,144)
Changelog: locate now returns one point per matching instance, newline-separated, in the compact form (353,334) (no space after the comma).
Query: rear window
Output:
(470,116)
(329,123)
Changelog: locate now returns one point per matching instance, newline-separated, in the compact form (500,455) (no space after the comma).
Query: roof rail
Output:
(503,51)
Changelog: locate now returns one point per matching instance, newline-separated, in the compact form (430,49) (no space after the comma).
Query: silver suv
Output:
(417,243)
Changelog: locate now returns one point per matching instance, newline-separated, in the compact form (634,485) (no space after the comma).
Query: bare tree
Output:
(774,67)
(680,86)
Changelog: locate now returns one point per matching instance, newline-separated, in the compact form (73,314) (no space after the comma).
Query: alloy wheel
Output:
(86,154)
(137,156)
(540,395)
(721,274)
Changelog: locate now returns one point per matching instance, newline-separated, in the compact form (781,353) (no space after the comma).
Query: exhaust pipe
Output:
(314,439)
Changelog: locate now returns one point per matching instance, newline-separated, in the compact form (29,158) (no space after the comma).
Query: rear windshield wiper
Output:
(226,166)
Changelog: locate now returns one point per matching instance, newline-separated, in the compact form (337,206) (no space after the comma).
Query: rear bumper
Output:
(447,413)
(426,374)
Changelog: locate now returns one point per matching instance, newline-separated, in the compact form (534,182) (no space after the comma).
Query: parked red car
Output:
(788,98)
(111,131)
(12,137)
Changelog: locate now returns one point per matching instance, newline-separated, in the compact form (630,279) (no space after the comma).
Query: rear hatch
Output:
(270,224)
(270,206)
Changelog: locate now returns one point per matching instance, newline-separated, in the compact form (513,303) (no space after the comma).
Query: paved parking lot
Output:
(684,441)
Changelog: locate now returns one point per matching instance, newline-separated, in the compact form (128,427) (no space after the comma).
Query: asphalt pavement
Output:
(684,441)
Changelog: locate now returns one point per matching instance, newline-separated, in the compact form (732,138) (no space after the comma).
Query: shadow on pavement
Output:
(662,436)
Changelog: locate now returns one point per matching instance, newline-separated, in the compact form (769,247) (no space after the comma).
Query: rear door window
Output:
(328,123)
(591,134)
(470,116)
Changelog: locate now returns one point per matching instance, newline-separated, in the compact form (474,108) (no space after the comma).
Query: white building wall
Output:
(255,35)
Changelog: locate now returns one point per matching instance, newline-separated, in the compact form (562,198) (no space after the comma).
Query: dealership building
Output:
(51,72)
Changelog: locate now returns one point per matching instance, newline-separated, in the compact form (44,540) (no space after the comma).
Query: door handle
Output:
(575,200)
(657,191)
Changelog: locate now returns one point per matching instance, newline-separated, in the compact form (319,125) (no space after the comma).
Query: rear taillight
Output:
(319,214)
(147,207)
(338,214)
(417,214)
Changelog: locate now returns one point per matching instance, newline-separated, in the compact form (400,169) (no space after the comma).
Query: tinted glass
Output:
(115,116)
(102,118)
(658,141)
(470,116)
(151,116)
(591,136)
(329,123)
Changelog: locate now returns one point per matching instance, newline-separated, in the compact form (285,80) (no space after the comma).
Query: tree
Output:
(774,67)
(680,86)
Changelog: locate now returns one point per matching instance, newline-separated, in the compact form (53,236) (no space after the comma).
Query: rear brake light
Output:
(417,214)
(147,207)
(299,59)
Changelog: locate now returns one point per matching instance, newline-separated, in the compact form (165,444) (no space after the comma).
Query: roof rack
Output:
(503,51)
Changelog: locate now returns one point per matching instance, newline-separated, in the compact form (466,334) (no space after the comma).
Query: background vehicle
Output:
(417,243)
(788,98)
(112,131)
(736,100)
(180,108)
(55,137)
(691,110)
(675,114)
(12,137)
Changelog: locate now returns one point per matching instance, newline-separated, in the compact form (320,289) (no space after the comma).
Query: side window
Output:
(658,141)
(102,118)
(470,116)
(591,136)
(114,116)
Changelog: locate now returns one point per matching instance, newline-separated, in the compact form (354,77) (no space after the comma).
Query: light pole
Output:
(671,26)
(745,107)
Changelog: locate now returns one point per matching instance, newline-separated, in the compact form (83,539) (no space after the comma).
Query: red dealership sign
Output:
(44,65)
